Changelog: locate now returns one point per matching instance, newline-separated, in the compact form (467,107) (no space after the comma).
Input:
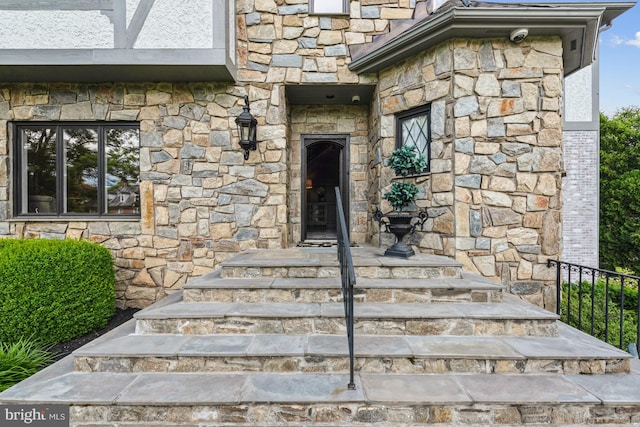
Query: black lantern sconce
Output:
(247,125)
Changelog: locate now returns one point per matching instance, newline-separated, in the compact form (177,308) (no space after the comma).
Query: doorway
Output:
(324,167)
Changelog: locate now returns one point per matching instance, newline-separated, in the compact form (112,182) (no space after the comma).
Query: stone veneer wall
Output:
(280,42)
(494,188)
(416,82)
(375,165)
(201,202)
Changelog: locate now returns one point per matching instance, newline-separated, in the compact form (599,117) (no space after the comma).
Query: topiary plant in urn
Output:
(405,161)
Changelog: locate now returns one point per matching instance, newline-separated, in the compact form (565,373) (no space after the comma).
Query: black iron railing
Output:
(348,278)
(602,303)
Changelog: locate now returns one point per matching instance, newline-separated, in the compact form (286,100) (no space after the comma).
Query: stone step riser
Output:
(386,272)
(330,364)
(311,325)
(301,295)
(323,414)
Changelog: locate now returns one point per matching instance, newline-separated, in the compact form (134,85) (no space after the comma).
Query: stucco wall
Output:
(579,100)
(44,29)
(177,24)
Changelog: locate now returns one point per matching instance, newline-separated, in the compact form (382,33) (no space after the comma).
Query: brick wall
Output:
(580,198)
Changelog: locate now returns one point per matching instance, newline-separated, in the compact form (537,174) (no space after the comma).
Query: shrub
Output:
(402,194)
(404,161)
(407,160)
(54,290)
(20,360)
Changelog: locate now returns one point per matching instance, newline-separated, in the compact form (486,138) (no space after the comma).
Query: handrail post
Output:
(347,279)
(621,311)
(558,283)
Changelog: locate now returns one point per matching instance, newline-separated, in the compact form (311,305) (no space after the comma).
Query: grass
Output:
(20,360)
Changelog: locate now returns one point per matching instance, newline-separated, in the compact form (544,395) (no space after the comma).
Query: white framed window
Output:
(328,7)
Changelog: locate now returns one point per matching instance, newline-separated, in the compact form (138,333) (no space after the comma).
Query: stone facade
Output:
(493,194)
(200,201)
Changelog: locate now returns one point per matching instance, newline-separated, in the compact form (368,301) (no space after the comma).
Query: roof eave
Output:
(482,22)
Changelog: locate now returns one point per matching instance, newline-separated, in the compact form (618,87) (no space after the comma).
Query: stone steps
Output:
(213,288)
(275,399)
(269,348)
(328,354)
(322,263)
(484,319)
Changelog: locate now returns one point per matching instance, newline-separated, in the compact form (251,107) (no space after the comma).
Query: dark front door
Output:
(324,166)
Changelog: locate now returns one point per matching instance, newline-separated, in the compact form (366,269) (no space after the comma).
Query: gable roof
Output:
(578,25)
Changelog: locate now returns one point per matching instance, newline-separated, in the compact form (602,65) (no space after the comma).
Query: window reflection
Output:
(81,155)
(39,147)
(415,131)
(123,189)
(77,169)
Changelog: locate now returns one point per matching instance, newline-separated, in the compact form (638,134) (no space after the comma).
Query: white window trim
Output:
(312,8)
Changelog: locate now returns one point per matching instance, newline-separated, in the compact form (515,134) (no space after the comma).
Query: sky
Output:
(620,63)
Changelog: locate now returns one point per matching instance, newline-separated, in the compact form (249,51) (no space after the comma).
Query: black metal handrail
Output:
(348,279)
(588,284)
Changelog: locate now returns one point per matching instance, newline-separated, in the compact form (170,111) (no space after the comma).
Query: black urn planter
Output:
(400,224)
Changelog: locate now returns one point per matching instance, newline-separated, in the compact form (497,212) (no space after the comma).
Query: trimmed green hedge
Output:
(54,290)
